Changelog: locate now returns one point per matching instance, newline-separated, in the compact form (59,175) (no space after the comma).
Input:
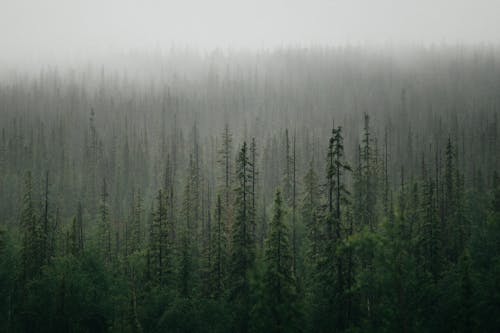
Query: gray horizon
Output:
(55,31)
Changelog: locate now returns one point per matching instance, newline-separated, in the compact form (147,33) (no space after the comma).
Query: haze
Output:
(48,31)
(298,166)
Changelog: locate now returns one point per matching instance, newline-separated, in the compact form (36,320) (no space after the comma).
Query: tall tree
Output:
(253,180)
(46,250)
(294,207)
(219,252)
(135,232)
(310,210)
(332,265)
(226,166)
(31,232)
(287,171)
(279,284)
(105,225)
(242,244)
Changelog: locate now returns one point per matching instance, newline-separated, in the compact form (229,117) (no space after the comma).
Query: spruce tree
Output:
(31,232)
(105,225)
(135,232)
(279,283)
(157,238)
(331,268)
(219,252)
(225,162)
(242,245)
(310,210)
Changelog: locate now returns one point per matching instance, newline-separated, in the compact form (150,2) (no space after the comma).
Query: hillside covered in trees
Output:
(297,190)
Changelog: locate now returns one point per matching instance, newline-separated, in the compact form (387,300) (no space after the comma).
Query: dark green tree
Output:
(32,234)
(105,243)
(279,284)
(242,244)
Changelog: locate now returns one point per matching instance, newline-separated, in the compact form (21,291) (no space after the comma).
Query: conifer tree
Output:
(253,190)
(430,240)
(287,172)
(135,232)
(105,225)
(332,265)
(311,213)
(294,208)
(368,163)
(279,283)
(226,166)
(31,233)
(75,237)
(219,252)
(454,229)
(449,201)
(79,228)
(46,251)
(242,244)
(160,244)
(310,210)
(188,249)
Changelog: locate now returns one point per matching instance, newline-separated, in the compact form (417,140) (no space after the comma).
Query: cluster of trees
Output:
(148,210)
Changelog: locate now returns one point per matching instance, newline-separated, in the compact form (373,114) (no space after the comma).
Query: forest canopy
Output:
(343,189)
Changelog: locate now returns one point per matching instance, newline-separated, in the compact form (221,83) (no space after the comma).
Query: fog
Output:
(249,166)
(55,30)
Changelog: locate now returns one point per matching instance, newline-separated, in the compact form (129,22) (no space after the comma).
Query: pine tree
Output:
(226,166)
(454,229)
(310,210)
(31,232)
(196,184)
(287,172)
(186,260)
(429,240)
(45,236)
(219,252)
(340,166)
(105,225)
(188,234)
(135,232)
(253,181)
(79,226)
(75,236)
(207,240)
(368,177)
(242,244)
(279,283)
(449,201)
(332,266)
(294,208)
(91,159)
(160,244)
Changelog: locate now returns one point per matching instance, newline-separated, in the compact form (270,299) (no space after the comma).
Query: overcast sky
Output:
(31,29)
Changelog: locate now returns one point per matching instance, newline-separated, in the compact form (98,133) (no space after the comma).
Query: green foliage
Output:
(70,295)
(419,256)
(280,295)
(243,245)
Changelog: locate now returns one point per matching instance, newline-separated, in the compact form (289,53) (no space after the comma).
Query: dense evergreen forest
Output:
(340,189)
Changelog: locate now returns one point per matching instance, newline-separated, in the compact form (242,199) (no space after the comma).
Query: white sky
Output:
(31,29)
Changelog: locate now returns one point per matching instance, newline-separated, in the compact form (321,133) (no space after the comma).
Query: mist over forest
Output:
(177,104)
(345,189)
(230,166)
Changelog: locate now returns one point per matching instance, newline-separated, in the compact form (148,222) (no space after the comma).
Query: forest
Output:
(323,189)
